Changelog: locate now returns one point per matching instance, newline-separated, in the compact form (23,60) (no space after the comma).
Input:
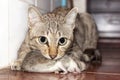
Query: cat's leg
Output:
(23,51)
(82,65)
(75,55)
(60,66)
(16,65)
(77,66)
(73,67)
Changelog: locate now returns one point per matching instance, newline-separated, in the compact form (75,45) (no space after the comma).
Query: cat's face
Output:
(50,33)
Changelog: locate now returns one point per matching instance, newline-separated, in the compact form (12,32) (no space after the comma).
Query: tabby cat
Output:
(58,41)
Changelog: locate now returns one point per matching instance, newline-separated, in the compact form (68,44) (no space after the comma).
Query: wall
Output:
(81,4)
(3,33)
(13,18)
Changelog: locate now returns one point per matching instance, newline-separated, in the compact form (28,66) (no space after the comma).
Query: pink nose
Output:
(53,56)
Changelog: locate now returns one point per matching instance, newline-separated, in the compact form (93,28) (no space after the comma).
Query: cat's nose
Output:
(53,56)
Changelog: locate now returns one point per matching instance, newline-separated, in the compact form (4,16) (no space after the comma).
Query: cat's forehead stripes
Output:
(53,22)
(53,17)
(52,27)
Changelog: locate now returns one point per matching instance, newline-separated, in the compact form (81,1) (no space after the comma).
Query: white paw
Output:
(82,66)
(56,72)
(62,68)
(74,67)
(16,65)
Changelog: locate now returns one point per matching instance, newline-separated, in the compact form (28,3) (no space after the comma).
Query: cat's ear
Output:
(34,15)
(71,16)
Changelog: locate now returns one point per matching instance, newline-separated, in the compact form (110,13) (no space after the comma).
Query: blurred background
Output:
(13,18)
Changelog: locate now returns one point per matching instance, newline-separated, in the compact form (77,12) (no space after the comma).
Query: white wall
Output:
(3,33)
(13,24)
(81,4)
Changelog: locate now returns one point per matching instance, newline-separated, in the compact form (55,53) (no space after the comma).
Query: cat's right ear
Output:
(33,16)
(71,16)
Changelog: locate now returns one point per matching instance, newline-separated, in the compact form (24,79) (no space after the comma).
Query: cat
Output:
(55,35)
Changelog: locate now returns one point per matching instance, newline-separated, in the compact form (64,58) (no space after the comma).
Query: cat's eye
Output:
(43,39)
(62,41)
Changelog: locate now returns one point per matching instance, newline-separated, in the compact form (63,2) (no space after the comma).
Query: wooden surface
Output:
(108,70)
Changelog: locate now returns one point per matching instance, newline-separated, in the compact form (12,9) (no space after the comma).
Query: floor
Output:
(108,70)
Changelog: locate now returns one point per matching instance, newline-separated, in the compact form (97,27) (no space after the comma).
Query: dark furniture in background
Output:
(107,16)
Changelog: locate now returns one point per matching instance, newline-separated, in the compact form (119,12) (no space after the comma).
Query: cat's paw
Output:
(82,66)
(16,65)
(74,68)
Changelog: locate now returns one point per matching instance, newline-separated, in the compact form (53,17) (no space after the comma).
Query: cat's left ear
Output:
(71,16)
(34,16)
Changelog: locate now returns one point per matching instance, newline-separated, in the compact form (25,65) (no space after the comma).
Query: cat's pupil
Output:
(62,41)
(43,39)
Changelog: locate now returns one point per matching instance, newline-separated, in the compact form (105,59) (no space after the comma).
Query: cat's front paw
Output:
(82,65)
(74,68)
(16,65)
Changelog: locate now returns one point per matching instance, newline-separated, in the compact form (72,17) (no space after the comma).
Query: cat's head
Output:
(50,33)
